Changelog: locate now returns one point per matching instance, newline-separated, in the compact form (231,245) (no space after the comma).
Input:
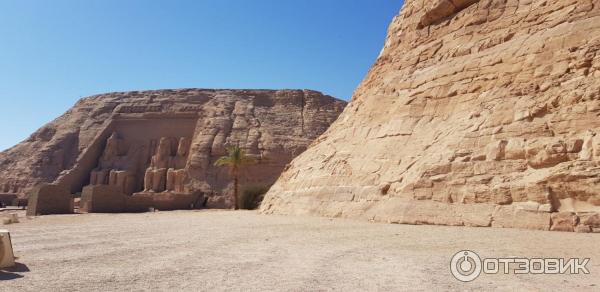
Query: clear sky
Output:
(54,52)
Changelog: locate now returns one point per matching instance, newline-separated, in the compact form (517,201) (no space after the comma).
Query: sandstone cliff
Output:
(168,140)
(477,113)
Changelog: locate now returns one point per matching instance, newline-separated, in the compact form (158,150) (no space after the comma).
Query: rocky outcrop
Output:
(477,113)
(166,141)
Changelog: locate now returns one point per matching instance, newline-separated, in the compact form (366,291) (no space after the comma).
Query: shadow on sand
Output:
(12,273)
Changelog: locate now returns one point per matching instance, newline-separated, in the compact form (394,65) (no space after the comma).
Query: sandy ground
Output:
(241,251)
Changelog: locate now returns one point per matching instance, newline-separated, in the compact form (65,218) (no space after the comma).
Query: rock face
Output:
(477,113)
(166,141)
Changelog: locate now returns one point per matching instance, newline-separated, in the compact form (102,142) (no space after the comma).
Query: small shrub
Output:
(253,196)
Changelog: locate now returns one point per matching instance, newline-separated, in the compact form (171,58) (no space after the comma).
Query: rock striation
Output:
(476,113)
(166,141)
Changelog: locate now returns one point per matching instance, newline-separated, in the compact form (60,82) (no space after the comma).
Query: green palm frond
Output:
(235,158)
(223,161)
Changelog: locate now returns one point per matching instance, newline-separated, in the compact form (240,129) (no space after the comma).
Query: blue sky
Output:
(54,52)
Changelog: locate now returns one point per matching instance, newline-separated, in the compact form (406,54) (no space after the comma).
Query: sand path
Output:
(242,251)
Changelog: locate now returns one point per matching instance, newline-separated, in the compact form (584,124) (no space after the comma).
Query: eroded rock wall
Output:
(121,138)
(478,113)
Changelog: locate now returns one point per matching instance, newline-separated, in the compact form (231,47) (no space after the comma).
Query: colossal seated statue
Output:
(114,168)
(166,171)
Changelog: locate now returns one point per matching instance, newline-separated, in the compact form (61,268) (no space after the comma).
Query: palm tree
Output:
(235,159)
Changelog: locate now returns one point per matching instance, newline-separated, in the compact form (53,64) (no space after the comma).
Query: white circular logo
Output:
(466,266)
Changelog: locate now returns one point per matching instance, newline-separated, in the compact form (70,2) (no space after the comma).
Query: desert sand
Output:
(245,251)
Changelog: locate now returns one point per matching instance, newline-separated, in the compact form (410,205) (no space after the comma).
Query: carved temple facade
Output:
(157,147)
